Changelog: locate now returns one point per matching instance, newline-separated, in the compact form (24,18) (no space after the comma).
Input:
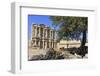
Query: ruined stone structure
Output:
(43,37)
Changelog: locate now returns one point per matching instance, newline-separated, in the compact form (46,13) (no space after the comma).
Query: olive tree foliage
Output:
(71,27)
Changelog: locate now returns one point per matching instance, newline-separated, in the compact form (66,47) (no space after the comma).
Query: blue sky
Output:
(38,19)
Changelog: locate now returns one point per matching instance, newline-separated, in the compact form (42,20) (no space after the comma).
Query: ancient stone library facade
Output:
(43,37)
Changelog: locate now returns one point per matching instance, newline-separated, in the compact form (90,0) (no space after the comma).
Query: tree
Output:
(72,27)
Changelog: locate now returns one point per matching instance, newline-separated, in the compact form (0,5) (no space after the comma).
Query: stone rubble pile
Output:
(51,54)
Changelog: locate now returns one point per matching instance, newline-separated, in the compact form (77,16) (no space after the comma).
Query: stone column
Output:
(39,32)
(35,42)
(33,31)
(43,32)
(36,31)
(50,34)
(46,33)
(55,45)
(39,44)
(39,36)
(43,43)
(49,44)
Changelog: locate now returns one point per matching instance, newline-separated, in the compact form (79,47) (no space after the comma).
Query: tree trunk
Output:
(83,39)
(82,47)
